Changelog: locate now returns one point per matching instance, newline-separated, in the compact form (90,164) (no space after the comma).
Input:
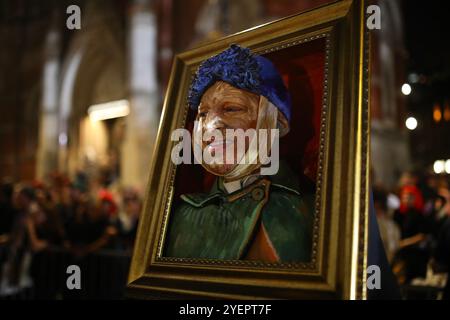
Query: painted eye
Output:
(233,109)
(202,114)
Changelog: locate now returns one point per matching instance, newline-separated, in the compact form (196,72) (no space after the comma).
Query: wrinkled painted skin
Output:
(226,107)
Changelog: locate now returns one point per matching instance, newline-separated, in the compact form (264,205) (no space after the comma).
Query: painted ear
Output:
(282,124)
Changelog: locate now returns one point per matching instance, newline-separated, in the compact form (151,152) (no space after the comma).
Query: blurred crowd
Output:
(414,223)
(82,218)
(79,217)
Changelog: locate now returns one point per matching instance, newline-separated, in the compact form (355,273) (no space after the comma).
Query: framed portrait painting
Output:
(258,186)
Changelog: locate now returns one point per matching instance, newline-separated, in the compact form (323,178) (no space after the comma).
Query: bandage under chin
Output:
(249,163)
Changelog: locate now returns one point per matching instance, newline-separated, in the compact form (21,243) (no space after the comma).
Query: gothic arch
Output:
(94,71)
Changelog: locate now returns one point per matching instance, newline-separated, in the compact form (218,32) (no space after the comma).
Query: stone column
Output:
(47,155)
(143,120)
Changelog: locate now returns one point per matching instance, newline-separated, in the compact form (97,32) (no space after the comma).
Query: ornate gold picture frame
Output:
(332,41)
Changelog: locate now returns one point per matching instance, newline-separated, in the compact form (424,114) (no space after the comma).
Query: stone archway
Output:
(93,70)
(112,57)
(100,77)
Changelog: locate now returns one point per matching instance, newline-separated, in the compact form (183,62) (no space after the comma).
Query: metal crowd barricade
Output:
(103,275)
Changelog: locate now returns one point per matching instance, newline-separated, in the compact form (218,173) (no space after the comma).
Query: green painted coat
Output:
(219,225)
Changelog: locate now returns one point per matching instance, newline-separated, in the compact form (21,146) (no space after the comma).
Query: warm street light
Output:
(406,89)
(439,166)
(109,110)
(447,166)
(411,123)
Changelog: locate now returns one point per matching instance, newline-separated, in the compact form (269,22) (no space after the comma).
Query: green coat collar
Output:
(284,179)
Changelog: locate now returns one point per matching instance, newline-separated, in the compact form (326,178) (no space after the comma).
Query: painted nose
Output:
(214,122)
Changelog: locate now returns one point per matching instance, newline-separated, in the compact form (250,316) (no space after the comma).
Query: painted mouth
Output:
(219,145)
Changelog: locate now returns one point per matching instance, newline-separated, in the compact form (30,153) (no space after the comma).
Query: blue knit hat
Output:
(238,67)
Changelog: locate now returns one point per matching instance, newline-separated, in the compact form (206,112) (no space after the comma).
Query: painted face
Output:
(225,107)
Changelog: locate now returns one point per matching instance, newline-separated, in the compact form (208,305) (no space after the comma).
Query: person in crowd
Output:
(65,202)
(441,254)
(409,216)
(6,210)
(436,216)
(126,221)
(89,229)
(107,205)
(412,258)
(389,231)
(45,226)
(408,178)
(21,243)
(46,222)
(88,232)
(7,213)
